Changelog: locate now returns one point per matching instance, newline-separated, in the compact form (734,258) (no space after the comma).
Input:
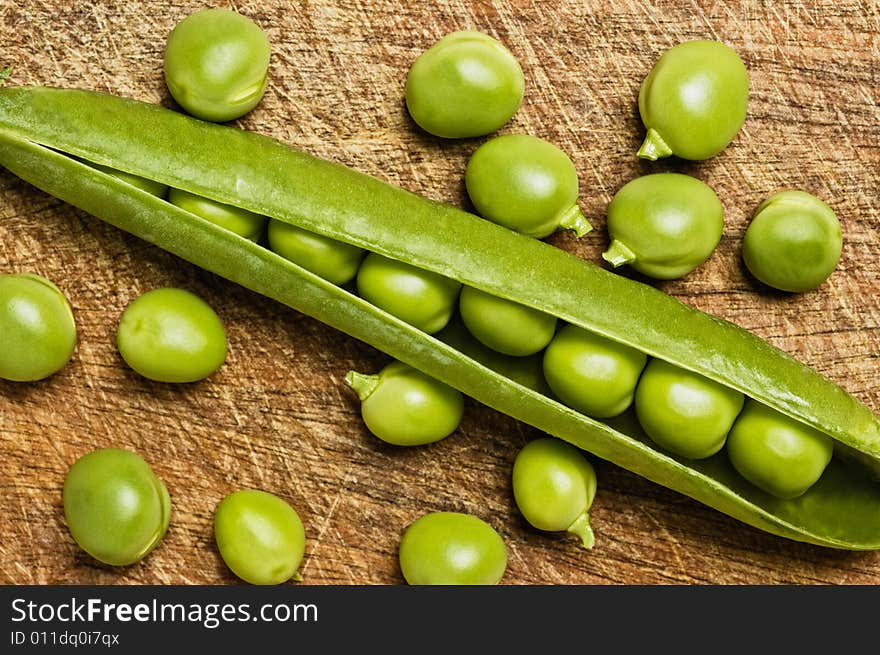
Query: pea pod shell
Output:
(262,175)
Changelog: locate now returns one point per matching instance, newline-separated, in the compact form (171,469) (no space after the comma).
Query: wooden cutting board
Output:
(278,416)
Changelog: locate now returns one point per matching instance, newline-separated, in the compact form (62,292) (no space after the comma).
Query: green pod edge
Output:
(40,126)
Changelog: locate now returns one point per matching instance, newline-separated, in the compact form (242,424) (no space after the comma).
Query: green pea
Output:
(241,221)
(526,184)
(467,84)
(450,548)
(116,508)
(150,186)
(793,242)
(504,325)
(171,335)
(216,64)
(693,101)
(778,454)
(685,412)
(554,486)
(527,371)
(664,225)
(328,258)
(260,537)
(37,329)
(421,298)
(590,373)
(404,407)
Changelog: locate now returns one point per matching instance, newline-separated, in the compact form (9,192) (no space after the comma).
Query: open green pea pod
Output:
(43,130)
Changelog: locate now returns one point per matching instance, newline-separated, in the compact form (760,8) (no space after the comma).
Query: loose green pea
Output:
(216,64)
(150,186)
(526,184)
(590,373)
(554,486)
(793,242)
(37,328)
(260,537)
(116,508)
(450,548)
(467,84)
(504,325)
(171,335)
(693,101)
(422,298)
(685,412)
(241,221)
(778,454)
(664,225)
(404,407)
(331,259)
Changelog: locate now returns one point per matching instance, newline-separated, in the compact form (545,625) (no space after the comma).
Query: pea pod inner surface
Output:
(262,175)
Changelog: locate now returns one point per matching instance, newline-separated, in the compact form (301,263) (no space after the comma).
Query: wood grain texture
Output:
(278,417)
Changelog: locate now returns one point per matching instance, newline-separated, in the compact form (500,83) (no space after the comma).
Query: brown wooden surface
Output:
(278,417)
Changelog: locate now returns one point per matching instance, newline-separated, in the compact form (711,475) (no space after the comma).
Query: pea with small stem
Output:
(526,184)
(663,225)
(554,486)
(694,100)
(404,407)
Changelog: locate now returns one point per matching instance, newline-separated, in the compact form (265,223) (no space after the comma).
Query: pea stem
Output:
(582,529)
(654,147)
(618,254)
(363,384)
(573,219)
